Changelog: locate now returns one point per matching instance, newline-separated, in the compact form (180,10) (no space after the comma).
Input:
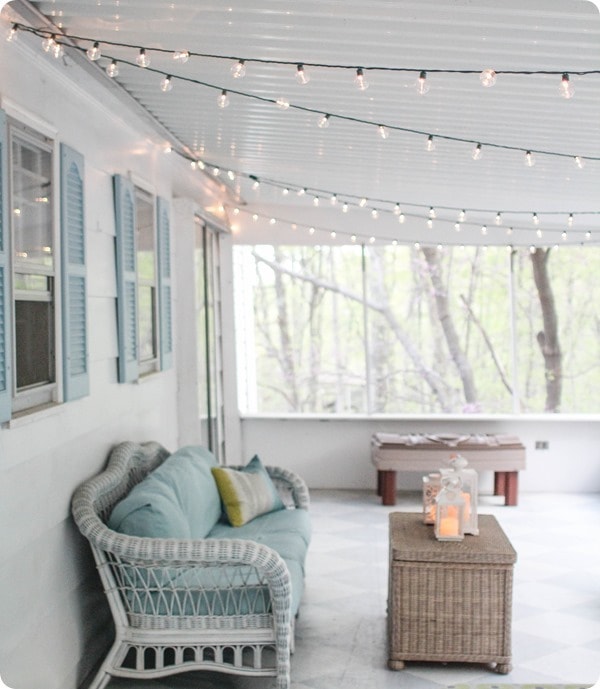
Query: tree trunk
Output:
(548,337)
(443,309)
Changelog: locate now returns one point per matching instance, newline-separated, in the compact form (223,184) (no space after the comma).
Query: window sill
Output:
(440,418)
(28,416)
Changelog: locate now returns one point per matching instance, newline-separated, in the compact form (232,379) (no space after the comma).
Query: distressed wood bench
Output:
(502,454)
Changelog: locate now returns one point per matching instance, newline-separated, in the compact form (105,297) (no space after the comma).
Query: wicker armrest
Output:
(292,482)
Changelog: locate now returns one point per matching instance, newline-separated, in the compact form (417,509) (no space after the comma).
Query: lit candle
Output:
(449,526)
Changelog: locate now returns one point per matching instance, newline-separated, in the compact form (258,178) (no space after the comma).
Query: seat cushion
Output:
(179,499)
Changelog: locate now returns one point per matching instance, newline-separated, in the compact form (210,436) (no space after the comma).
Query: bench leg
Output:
(512,488)
(499,483)
(387,487)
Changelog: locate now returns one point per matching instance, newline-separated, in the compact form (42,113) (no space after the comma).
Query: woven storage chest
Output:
(449,601)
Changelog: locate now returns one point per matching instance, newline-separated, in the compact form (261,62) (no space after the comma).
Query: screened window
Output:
(399,329)
(33,267)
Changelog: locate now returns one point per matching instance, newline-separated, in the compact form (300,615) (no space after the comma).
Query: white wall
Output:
(54,622)
(335,453)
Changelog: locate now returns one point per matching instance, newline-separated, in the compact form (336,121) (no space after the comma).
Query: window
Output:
(400,330)
(143,281)
(38,363)
(33,267)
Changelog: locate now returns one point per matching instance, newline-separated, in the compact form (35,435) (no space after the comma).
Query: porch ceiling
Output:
(254,137)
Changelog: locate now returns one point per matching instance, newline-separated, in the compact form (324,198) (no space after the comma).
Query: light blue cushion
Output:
(179,499)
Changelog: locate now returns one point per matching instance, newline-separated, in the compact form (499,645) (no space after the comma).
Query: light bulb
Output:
(255,182)
(167,148)
(181,56)
(509,231)
(315,201)
(564,235)
(580,162)
(216,171)
(461,216)
(333,199)
(361,83)
(539,233)
(255,217)
(374,213)
(532,249)
(272,221)
(223,99)
(57,50)
(94,53)
(529,159)
(311,230)
(457,226)
(238,71)
(48,43)
(113,69)
(535,219)
(363,202)
(397,209)
(323,122)
(231,175)
(282,103)
(383,132)
(487,77)
(476,154)
(566,88)
(422,85)
(333,234)
(345,208)
(430,145)
(301,76)
(166,84)
(570,220)
(588,234)
(372,240)
(11,36)
(484,229)
(401,218)
(432,212)
(430,223)
(353,238)
(142,60)
(498,219)
(301,191)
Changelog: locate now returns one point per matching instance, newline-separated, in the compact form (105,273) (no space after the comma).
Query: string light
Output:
(238,70)
(255,182)
(166,84)
(430,144)
(11,36)
(361,83)
(539,233)
(223,99)
(535,219)
(476,155)
(181,56)
(282,103)
(570,220)
(588,235)
(301,191)
(345,208)
(498,219)
(315,201)
(430,223)
(285,191)
(401,218)
(323,122)
(529,159)
(484,230)
(333,199)
(579,162)
(301,76)
(374,213)
(462,215)
(363,202)
(383,132)
(487,77)
(113,69)
(94,53)
(566,88)
(143,59)
(422,85)
(432,213)
(457,226)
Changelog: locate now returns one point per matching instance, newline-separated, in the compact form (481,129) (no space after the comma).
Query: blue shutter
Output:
(164,284)
(76,382)
(126,279)
(5,330)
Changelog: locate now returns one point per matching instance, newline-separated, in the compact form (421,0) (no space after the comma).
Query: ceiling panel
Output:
(349,158)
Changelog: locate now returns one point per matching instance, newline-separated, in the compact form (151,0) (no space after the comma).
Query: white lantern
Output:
(431,487)
(468,480)
(449,510)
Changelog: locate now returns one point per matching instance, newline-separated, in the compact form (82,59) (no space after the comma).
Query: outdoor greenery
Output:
(400,329)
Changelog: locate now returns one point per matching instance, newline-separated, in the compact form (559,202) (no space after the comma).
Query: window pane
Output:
(560,371)
(31,203)
(34,336)
(304,323)
(146,237)
(146,307)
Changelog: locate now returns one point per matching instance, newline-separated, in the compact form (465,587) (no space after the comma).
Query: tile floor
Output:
(341,631)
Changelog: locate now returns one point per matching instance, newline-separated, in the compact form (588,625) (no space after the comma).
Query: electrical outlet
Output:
(541,444)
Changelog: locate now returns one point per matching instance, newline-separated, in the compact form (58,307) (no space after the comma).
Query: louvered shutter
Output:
(164,283)
(5,331)
(128,369)
(74,288)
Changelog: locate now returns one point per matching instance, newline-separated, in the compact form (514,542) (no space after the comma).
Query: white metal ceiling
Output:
(349,157)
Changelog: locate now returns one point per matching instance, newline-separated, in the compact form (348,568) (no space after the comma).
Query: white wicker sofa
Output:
(221,598)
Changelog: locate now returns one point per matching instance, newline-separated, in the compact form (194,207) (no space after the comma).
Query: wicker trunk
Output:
(449,601)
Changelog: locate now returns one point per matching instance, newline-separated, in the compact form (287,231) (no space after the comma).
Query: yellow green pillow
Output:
(246,493)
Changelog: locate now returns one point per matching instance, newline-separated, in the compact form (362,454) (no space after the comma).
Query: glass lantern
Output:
(431,487)
(468,480)
(449,510)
